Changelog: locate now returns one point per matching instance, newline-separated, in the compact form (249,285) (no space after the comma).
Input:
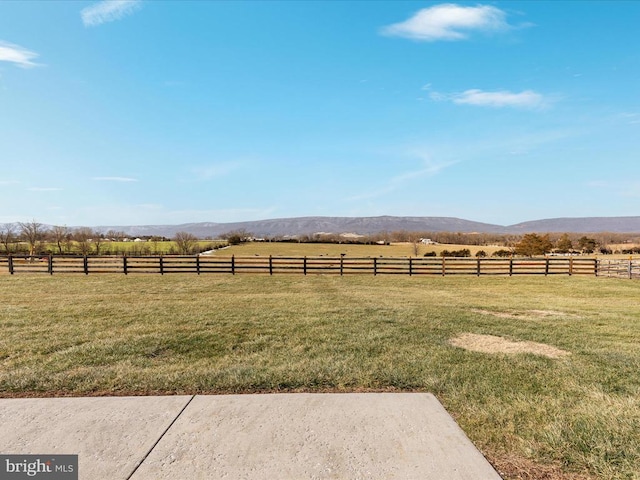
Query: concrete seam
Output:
(139,464)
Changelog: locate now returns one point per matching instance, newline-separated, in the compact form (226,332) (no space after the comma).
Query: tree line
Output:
(34,238)
(532,244)
(529,244)
(558,240)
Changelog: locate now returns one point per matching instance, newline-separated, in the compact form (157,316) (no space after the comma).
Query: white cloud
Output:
(502,98)
(449,22)
(115,179)
(498,99)
(108,11)
(44,189)
(17,55)
(208,172)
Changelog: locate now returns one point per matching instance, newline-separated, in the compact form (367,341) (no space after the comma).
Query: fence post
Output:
(410,266)
(161,265)
(341,263)
(375,266)
(546,267)
(304,265)
(50,265)
(444,267)
(10,264)
(124,264)
(233,264)
(596,264)
(511,266)
(570,266)
(478,267)
(630,270)
(85,265)
(270,265)
(198,264)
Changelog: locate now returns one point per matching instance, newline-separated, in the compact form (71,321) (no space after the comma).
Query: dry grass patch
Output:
(525,314)
(549,313)
(492,344)
(518,468)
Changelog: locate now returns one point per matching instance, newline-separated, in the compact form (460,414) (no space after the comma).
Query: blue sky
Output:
(160,112)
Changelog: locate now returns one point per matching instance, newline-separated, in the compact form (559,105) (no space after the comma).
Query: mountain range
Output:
(372,225)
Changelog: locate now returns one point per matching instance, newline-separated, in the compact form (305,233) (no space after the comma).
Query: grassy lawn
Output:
(577,416)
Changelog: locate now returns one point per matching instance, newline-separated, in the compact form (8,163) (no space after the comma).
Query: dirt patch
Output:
(498,314)
(524,314)
(494,344)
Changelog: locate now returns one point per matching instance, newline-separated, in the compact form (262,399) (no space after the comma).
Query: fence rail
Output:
(201,264)
(619,268)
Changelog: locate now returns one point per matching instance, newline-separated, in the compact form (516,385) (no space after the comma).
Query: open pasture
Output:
(541,373)
(294,249)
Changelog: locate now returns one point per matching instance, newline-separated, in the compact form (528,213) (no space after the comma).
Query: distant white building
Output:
(427,241)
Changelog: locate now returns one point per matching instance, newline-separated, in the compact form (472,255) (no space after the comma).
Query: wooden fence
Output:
(619,268)
(65,264)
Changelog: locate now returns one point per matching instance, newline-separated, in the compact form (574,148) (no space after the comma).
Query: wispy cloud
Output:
(9,182)
(621,188)
(449,21)
(44,189)
(108,11)
(631,118)
(115,179)
(207,172)
(527,99)
(598,184)
(149,206)
(428,168)
(17,55)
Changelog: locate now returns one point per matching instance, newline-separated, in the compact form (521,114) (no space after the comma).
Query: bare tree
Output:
(237,237)
(32,233)
(7,236)
(414,239)
(118,236)
(98,240)
(59,235)
(83,237)
(186,242)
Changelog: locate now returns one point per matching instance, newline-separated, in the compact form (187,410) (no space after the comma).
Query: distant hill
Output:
(371,225)
(310,225)
(580,225)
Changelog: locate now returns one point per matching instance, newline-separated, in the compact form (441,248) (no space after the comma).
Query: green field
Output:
(576,416)
(137,248)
